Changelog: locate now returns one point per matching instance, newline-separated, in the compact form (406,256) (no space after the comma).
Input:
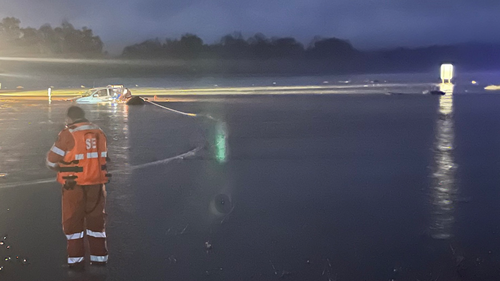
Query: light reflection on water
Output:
(20,124)
(113,119)
(222,203)
(444,188)
(29,128)
(221,144)
(27,131)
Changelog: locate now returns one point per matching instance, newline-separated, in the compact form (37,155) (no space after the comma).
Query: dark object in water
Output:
(135,101)
(223,203)
(439,93)
(434,92)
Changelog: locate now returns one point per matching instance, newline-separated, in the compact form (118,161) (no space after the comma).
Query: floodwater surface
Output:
(342,187)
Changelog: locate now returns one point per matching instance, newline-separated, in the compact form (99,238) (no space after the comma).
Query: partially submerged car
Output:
(108,94)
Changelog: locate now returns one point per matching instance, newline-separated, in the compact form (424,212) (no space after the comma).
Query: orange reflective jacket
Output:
(85,164)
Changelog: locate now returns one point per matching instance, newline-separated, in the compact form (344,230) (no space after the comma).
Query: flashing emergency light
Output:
(446,72)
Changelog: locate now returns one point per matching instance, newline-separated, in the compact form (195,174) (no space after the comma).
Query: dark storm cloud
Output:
(366,23)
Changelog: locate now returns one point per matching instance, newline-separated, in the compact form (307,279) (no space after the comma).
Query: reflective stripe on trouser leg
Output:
(96,234)
(74,236)
(99,258)
(96,220)
(73,214)
(97,245)
(98,248)
(75,260)
(76,248)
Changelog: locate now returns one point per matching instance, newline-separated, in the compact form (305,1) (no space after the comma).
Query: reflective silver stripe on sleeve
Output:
(79,157)
(83,128)
(50,164)
(74,236)
(96,234)
(57,150)
(104,154)
(75,260)
(92,155)
(99,258)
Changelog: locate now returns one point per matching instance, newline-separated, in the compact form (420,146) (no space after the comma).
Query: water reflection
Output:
(444,186)
(22,122)
(221,204)
(221,145)
(49,113)
(113,119)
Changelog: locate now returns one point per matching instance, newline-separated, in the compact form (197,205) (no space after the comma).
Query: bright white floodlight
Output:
(446,72)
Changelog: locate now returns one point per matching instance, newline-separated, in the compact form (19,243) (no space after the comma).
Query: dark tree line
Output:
(321,55)
(235,46)
(235,54)
(64,39)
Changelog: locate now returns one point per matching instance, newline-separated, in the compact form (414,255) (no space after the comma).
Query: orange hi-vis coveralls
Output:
(79,155)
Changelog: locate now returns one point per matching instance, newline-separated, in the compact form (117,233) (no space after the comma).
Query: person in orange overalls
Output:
(79,156)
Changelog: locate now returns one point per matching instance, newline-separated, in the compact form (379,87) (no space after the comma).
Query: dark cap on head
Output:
(76,113)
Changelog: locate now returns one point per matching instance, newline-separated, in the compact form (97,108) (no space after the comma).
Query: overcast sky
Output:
(367,24)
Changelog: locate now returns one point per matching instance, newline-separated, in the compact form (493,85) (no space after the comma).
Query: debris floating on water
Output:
(208,246)
(284,273)
(135,101)
(274,268)
(172,259)
(434,92)
(184,230)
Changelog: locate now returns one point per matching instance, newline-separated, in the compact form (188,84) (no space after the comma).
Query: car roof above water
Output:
(108,87)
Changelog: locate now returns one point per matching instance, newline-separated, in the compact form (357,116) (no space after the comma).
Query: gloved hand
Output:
(69,185)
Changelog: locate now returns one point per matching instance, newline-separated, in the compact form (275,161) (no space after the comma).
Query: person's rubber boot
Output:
(98,263)
(79,266)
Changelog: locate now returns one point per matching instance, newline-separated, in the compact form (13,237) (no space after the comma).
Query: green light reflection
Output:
(221,150)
